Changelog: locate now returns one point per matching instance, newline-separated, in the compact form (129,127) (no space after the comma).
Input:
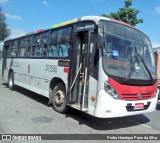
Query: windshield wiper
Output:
(145,66)
(133,63)
(131,69)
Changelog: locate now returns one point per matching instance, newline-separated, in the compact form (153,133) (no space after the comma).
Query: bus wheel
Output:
(11,81)
(59,98)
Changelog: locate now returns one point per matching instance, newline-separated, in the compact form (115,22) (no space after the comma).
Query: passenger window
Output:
(15,43)
(54,37)
(14,52)
(60,43)
(28,41)
(22,42)
(44,38)
(64,49)
(36,39)
(27,52)
(39,51)
(22,51)
(65,34)
(53,51)
(32,51)
(14,49)
(25,43)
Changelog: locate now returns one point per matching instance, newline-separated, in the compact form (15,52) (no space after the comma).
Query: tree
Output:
(126,14)
(4,31)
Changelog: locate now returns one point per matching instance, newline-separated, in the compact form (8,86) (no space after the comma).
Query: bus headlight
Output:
(110,90)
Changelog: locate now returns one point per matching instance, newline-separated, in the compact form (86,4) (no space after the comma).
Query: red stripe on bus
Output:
(28,68)
(39,30)
(130,92)
(66,70)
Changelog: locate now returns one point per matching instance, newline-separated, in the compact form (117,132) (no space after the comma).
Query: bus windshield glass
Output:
(127,52)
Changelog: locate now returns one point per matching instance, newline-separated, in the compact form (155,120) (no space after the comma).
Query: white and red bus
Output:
(98,65)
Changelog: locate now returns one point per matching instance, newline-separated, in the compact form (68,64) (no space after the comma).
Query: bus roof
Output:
(93,18)
(96,19)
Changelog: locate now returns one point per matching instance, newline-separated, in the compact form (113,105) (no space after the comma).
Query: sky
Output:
(23,16)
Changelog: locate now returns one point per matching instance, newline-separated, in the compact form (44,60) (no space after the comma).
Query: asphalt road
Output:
(24,112)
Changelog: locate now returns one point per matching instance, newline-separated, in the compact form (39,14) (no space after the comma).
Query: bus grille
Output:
(136,96)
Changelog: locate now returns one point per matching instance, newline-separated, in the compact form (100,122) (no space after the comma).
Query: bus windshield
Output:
(127,53)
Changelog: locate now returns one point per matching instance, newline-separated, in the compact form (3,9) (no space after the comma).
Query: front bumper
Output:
(107,107)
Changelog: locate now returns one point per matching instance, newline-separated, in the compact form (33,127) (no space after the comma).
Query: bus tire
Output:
(11,81)
(59,98)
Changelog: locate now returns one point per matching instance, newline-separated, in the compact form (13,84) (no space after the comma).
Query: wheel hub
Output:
(59,97)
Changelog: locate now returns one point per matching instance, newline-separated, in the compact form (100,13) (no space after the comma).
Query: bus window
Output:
(13,52)
(53,51)
(64,49)
(36,39)
(64,42)
(54,37)
(39,51)
(28,41)
(65,34)
(32,51)
(44,38)
(22,42)
(24,46)
(27,52)
(14,49)
(22,52)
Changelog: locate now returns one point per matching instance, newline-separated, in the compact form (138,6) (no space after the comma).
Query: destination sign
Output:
(83,26)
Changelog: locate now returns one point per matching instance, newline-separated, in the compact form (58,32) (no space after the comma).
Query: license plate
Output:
(139,106)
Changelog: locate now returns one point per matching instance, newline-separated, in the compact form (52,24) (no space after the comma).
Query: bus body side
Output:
(37,72)
(31,74)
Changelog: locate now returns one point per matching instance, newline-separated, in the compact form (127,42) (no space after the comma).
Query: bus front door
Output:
(79,71)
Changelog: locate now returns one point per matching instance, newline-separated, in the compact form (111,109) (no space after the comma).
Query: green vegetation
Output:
(126,14)
(4,31)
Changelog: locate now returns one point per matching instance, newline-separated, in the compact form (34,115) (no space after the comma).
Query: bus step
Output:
(76,106)
(81,75)
(84,109)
